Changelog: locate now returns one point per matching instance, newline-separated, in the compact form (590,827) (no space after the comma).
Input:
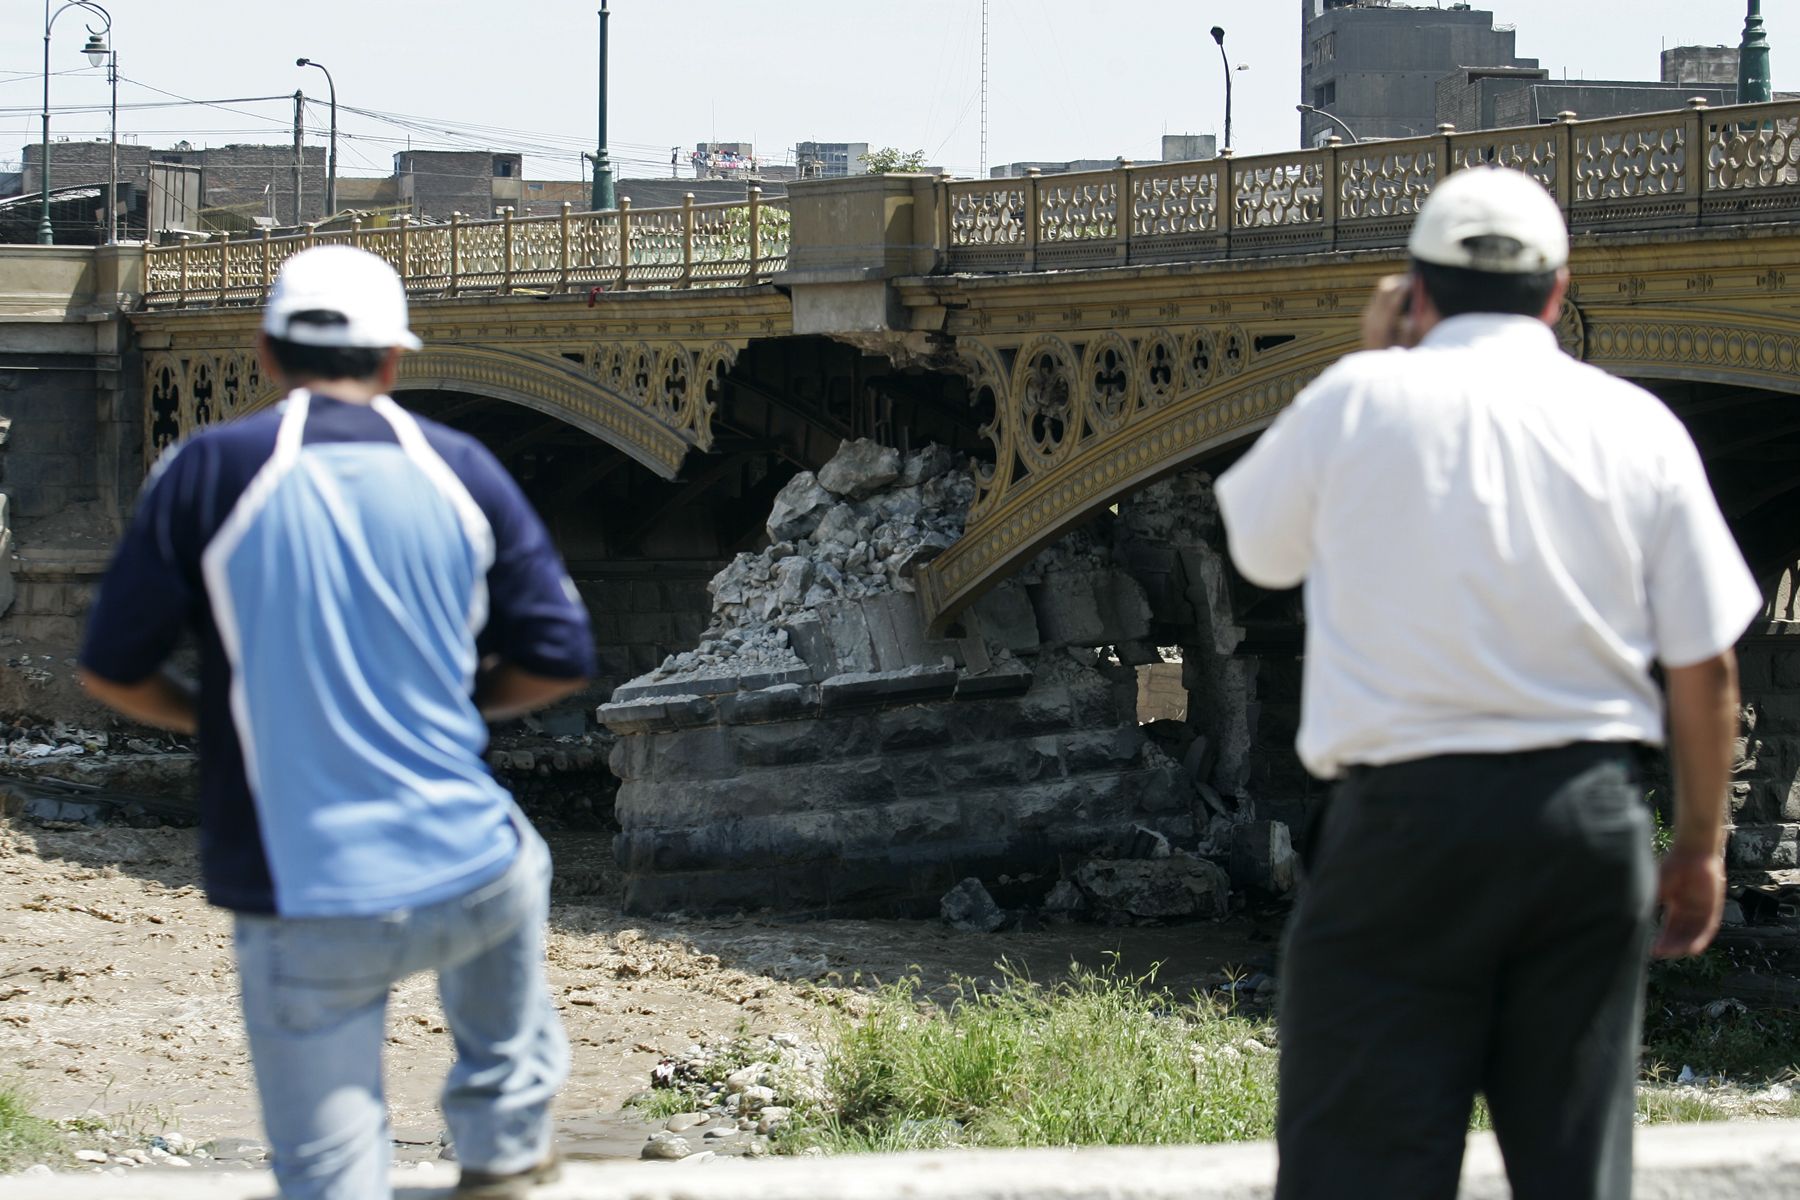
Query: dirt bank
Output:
(118,997)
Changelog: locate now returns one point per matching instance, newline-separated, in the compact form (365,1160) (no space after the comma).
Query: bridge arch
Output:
(1080,421)
(1187,397)
(576,394)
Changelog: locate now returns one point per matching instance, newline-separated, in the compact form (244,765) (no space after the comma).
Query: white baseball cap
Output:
(1491,219)
(338,296)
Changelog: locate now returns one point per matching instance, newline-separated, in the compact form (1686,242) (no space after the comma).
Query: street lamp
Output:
(96,49)
(1332,117)
(99,53)
(604,195)
(1754,84)
(1218,35)
(331,166)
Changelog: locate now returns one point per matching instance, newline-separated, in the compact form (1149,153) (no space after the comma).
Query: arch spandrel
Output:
(657,430)
(570,395)
(1016,515)
(1694,345)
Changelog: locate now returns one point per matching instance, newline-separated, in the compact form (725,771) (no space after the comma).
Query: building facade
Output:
(1376,66)
(831,160)
(255,183)
(436,184)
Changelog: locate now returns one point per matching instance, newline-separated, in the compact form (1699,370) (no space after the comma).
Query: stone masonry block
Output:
(1006,618)
(708,753)
(982,765)
(1069,610)
(783,702)
(914,775)
(1784,669)
(1102,749)
(888,687)
(784,744)
(846,630)
(913,727)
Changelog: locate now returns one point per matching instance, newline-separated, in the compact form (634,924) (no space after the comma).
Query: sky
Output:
(1067,78)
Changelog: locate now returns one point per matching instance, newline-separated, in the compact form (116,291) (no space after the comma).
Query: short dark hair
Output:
(300,361)
(1456,291)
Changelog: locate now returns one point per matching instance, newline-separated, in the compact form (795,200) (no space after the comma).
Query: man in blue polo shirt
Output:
(365,587)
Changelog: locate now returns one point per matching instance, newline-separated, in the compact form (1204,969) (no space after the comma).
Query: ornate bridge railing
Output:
(1675,169)
(693,245)
(1682,169)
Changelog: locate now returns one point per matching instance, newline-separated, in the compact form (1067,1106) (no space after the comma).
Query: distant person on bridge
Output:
(364,586)
(1498,544)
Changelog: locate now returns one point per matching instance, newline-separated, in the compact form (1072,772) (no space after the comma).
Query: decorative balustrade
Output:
(1637,172)
(693,245)
(1686,168)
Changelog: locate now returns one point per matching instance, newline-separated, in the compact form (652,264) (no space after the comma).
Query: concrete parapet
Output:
(1735,1161)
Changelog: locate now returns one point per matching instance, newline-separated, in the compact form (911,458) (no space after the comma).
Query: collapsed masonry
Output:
(818,752)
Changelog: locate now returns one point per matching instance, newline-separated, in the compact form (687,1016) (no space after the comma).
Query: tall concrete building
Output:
(1701,64)
(831,160)
(1375,65)
(476,183)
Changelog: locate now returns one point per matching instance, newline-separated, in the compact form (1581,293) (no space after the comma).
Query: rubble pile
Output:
(860,527)
(741,1092)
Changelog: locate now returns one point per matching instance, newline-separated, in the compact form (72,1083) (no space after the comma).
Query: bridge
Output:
(1103,328)
(654,377)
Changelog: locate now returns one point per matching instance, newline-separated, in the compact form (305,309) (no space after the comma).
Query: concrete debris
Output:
(1148,843)
(1262,857)
(798,508)
(1065,898)
(1178,886)
(967,908)
(858,529)
(860,468)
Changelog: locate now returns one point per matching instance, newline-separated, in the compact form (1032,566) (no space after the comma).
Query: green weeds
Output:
(24,1138)
(1102,1059)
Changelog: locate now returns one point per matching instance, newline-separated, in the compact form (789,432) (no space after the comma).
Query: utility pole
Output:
(1754,83)
(331,167)
(604,197)
(299,153)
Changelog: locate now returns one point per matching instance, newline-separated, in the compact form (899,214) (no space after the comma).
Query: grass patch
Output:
(24,1138)
(1718,1036)
(1102,1059)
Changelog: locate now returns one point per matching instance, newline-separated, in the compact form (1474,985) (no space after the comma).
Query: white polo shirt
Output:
(1496,540)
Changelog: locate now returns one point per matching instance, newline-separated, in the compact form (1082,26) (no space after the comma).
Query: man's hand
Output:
(1385,321)
(1703,721)
(161,700)
(1692,891)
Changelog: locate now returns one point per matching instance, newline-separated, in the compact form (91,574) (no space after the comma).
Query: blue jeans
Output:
(315,1003)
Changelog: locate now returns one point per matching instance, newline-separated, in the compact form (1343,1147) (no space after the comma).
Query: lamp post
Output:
(331,165)
(1218,35)
(1316,111)
(96,51)
(1754,84)
(604,197)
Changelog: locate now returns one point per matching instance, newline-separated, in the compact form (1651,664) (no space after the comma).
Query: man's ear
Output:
(270,369)
(390,370)
(1553,307)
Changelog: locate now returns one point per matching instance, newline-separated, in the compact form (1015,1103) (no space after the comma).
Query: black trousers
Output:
(1469,923)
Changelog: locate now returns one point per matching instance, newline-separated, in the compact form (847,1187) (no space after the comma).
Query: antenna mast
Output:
(984,88)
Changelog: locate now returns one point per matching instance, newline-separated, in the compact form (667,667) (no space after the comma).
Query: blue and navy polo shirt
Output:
(345,568)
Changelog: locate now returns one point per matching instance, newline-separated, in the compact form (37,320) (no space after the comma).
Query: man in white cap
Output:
(365,586)
(1498,544)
